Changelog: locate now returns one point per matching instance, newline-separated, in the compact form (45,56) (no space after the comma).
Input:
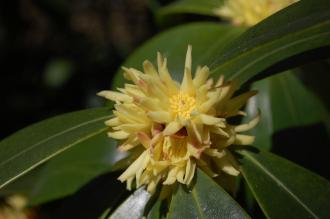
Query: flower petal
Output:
(211,120)
(115,96)
(201,76)
(133,168)
(118,135)
(160,116)
(172,128)
(249,125)
(244,139)
(149,68)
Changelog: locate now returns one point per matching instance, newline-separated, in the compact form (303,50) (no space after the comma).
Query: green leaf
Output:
(133,207)
(301,27)
(202,7)
(206,200)
(284,189)
(206,38)
(34,145)
(67,173)
(284,102)
(156,211)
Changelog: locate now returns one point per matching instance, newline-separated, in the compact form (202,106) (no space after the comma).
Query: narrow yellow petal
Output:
(129,128)
(149,68)
(118,135)
(160,116)
(142,167)
(132,169)
(172,128)
(251,124)
(144,139)
(201,76)
(188,58)
(125,147)
(190,171)
(228,164)
(187,85)
(112,122)
(180,175)
(214,152)
(115,96)
(210,120)
(213,99)
(233,105)
(171,176)
(244,139)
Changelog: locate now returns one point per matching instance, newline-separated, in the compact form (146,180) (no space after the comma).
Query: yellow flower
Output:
(250,12)
(173,128)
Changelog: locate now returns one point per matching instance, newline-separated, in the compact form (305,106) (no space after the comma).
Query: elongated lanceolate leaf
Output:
(284,189)
(133,207)
(206,200)
(301,27)
(285,102)
(67,173)
(206,38)
(32,146)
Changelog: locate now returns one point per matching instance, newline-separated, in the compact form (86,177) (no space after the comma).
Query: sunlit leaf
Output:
(133,207)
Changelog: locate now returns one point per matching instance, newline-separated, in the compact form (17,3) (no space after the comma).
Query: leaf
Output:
(301,27)
(202,7)
(133,207)
(156,211)
(284,102)
(34,145)
(67,173)
(206,38)
(284,189)
(206,200)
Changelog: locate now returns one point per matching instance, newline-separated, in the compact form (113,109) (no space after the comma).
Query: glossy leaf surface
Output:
(133,207)
(299,28)
(284,102)
(65,174)
(284,189)
(206,200)
(206,38)
(296,29)
(34,145)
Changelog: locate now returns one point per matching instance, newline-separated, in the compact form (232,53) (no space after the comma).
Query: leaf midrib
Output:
(12,178)
(50,138)
(247,52)
(199,209)
(279,183)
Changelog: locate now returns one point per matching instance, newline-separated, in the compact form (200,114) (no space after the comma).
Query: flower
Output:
(250,12)
(173,128)
(14,207)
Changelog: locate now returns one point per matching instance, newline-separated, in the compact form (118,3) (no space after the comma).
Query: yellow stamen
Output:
(182,104)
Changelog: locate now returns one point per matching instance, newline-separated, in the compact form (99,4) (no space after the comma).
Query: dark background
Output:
(57,54)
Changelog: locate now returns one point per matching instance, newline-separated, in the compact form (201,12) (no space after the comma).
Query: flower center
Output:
(182,104)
